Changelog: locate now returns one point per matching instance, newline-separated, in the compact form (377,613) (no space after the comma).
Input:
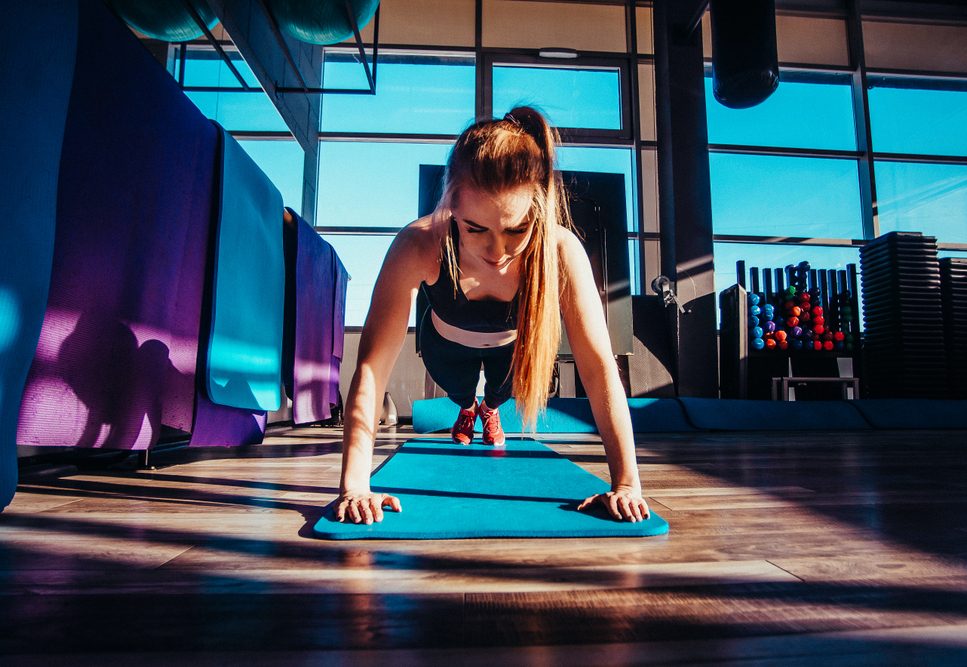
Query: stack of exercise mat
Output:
(953,295)
(903,349)
(153,293)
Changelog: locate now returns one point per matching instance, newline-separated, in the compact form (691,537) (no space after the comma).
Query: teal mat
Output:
(902,413)
(451,491)
(244,362)
(563,415)
(722,414)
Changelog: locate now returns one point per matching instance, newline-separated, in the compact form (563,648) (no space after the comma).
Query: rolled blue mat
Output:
(913,413)
(563,415)
(451,491)
(721,414)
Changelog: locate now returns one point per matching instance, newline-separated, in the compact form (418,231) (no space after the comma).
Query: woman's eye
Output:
(516,232)
(471,230)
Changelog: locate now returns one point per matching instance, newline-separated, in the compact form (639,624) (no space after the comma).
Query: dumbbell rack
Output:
(903,348)
(748,372)
(953,296)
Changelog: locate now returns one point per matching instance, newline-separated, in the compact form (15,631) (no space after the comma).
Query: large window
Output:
(911,126)
(785,177)
(372,148)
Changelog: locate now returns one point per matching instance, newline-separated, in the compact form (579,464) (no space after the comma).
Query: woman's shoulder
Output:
(569,246)
(418,245)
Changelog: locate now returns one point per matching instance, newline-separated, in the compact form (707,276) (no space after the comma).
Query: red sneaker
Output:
(493,434)
(462,430)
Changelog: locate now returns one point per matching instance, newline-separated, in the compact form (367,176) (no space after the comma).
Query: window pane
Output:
(796,115)
(785,196)
(372,184)
(414,95)
(235,111)
(774,255)
(362,255)
(585,98)
(634,263)
(928,198)
(930,122)
(240,112)
(283,162)
(606,160)
(204,67)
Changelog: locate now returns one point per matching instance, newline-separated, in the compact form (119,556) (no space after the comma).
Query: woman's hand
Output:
(365,507)
(622,504)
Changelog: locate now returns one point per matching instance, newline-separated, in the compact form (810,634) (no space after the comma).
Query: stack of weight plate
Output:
(953,291)
(903,343)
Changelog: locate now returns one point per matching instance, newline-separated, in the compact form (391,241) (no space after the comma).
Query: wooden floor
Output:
(785,548)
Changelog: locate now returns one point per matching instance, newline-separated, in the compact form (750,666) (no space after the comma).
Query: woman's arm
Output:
(587,332)
(382,338)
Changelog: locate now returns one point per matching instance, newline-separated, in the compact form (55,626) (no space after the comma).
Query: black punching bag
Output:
(745,63)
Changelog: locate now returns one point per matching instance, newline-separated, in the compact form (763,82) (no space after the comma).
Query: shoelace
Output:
(465,423)
(491,422)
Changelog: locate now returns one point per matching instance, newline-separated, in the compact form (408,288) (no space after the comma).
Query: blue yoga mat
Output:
(451,491)
(245,343)
(38,42)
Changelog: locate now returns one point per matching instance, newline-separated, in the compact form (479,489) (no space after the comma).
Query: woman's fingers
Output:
(375,507)
(392,502)
(366,509)
(620,506)
(624,507)
(613,506)
(354,514)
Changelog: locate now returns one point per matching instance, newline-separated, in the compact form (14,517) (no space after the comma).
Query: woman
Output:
(499,266)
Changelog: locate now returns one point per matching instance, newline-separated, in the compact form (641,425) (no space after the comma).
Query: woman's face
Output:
(494,228)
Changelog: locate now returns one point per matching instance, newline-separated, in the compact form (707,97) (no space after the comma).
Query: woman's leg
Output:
(499,381)
(455,368)
(498,387)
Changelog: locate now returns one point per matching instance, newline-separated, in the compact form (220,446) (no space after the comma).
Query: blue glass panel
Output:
(414,95)
(240,112)
(204,67)
(928,198)
(634,263)
(363,256)
(585,98)
(372,184)
(283,162)
(796,115)
(930,122)
(785,196)
(605,160)
(774,255)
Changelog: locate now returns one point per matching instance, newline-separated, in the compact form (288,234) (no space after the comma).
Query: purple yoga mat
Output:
(118,349)
(315,325)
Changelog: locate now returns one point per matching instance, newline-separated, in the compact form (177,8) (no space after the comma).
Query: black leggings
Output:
(456,368)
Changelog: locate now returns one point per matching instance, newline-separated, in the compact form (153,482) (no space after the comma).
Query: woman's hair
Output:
(496,156)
